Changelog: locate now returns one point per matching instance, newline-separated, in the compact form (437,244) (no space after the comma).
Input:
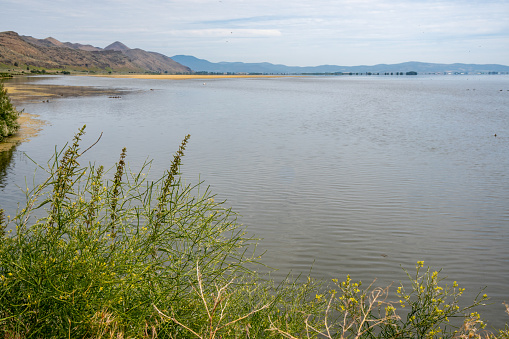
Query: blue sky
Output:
(295,33)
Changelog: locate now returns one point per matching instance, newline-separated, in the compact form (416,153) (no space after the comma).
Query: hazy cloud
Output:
(294,32)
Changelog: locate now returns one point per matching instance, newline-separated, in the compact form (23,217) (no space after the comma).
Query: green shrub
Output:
(8,115)
(127,257)
(111,248)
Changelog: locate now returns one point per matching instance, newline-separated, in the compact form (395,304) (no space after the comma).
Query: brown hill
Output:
(117,46)
(89,48)
(51,53)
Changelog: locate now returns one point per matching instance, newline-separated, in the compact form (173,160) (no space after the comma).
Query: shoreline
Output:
(182,76)
(30,126)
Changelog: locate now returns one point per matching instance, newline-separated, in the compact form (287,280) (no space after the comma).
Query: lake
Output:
(338,175)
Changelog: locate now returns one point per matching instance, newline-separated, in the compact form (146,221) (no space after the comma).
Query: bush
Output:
(113,248)
(127,257)
(8,115)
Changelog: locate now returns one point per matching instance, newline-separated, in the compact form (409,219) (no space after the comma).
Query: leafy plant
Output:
(107,251)
(8,114)
(424,311)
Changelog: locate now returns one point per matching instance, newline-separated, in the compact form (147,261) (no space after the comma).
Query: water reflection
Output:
(6,161)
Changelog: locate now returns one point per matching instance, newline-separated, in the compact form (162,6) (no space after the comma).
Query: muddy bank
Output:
(26,92)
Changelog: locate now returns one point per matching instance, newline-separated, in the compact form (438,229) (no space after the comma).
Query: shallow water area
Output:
(344,175)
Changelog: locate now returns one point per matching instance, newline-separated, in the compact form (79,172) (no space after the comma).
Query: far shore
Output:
(183,76)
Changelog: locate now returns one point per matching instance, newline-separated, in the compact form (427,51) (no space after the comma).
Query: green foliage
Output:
(423,312)
(8,115)
(127,257)
(111,247)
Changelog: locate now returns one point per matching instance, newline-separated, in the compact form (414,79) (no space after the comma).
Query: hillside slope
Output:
(51,53)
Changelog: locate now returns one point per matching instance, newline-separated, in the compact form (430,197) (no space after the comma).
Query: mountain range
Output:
(50,53)
(201,65)
(26,51)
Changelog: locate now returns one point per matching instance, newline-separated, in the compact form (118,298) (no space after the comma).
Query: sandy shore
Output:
(184,76)
(30,127)
(30,124)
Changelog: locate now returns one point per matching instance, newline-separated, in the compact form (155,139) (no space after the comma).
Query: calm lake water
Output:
(344,175)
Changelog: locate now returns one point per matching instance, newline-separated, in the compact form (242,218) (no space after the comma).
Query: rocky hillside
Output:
(51,53)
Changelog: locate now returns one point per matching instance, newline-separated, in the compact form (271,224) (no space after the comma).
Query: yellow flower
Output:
(389,309)
(420,264)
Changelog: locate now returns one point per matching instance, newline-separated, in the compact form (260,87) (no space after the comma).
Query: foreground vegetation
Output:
(127,257)
(8,115)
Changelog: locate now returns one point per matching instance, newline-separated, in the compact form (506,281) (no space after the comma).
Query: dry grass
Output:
(353,323)
(217,309)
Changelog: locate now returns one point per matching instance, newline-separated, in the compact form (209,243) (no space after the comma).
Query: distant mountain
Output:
(201,65)
(51,53)
(26,51)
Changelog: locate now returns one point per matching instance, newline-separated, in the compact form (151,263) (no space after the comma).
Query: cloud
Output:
(293,32)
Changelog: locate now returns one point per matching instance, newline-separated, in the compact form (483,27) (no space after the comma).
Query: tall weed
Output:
(107,251)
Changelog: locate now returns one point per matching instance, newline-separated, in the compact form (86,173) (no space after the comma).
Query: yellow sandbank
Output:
(181,76)
(26,92)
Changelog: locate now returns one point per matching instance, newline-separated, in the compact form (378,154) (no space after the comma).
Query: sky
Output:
(293,33)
